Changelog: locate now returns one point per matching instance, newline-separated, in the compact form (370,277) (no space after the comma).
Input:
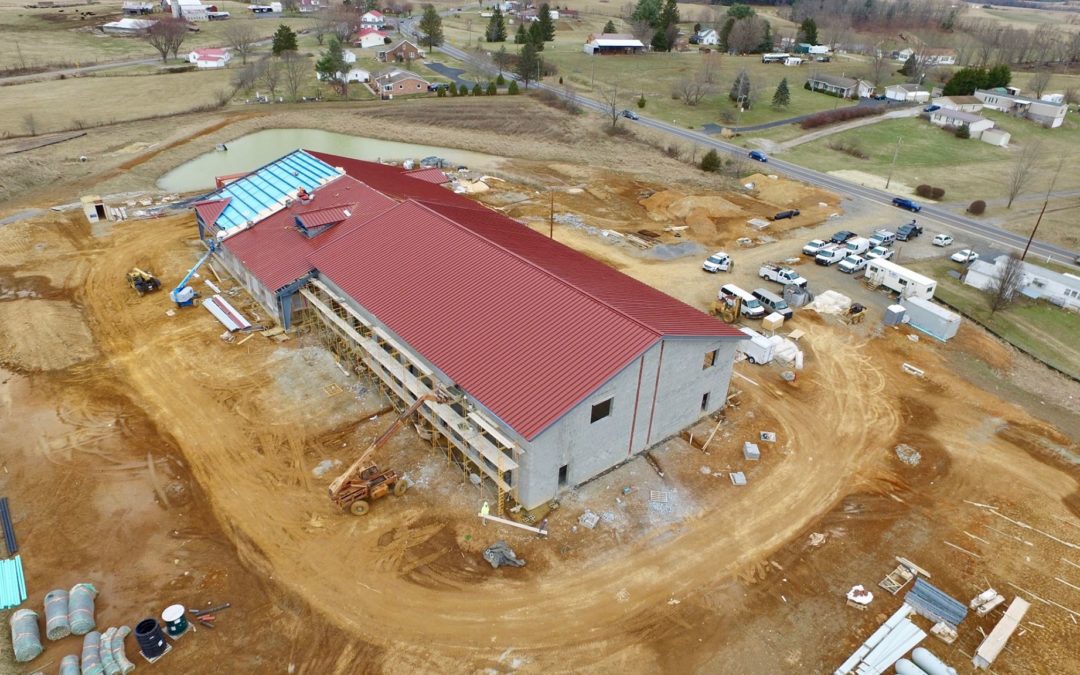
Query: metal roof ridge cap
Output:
(356,228)
(546,271)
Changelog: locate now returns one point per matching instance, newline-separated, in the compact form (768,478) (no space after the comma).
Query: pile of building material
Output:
(930,602)
(896,637)
(830,302)
(986,601)
(995,641)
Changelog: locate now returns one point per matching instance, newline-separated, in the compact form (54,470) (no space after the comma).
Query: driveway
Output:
(712,128)
(453,73)
(854,124)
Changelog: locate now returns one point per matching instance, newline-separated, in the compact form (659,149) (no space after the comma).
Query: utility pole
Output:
(1053,181)
(551,215)
(893,165)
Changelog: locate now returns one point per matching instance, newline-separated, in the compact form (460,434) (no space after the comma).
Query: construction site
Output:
(390,419)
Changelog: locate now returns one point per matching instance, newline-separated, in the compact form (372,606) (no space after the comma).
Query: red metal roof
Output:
(643,303)
(395,181)
(321,217)
(369,31)
(507,318)
(431,175)
(276,252)
(210,210)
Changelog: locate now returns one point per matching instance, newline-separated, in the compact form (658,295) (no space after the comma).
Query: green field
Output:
(967,169)
(1043,330)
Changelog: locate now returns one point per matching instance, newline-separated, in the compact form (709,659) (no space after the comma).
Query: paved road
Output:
(934,214)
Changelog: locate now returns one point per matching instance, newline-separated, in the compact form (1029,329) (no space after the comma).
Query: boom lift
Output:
(364,482)
(184,295)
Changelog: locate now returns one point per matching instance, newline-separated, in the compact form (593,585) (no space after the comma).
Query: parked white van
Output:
(749,306)
(773,303)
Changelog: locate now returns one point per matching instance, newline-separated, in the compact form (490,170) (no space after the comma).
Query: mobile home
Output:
(905,282)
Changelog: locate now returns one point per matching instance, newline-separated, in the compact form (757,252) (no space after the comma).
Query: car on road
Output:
(842,236)
(852,264)
(718,262)
(783,215)
(758,155)
(630,115)
(813,247)
(931,108)
(964,255)
(942,240)
(882,252)
(905,203)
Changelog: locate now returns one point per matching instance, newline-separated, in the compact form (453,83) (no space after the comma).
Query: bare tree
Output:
(245,78)
(270,75)
(166,35)
(1039,81)
(746,34)
(294,72)
(241,38)
(1023,169)
(610,99)
(880,66)
(344,25)
(692,89)
(710,67)
(1005,284)
(324,25)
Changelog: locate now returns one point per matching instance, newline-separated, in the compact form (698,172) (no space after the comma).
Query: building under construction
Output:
(556,366)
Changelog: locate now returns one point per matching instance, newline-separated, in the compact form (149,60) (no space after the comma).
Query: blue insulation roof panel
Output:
(931,602)
(264,191)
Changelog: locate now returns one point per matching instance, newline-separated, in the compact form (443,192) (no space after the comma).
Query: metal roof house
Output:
(554,367)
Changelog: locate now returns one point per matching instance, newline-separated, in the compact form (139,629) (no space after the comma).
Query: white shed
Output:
(930,318)
(998,137)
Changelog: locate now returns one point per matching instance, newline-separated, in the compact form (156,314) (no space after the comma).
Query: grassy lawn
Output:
(1039,328)
(966,169)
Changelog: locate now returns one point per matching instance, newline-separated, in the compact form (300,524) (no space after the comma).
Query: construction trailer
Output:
(554,367)
(899,279)
(932,319)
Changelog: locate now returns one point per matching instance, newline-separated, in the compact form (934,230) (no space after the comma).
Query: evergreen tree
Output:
(284,41)
(740,89)
(492,89)
(998,76)
(669,15)
(609,27)
(477,90)
(965,81)
(711,161)
(500,80)
(513,88)
(808,31)
(453,88)
(521,37)
(431,27)
(910,66)
(659,41)
(766,39)
(528,63)
(964,131)
(782,97)
(331,66)
(647,11)
(666,27)
(496,29)
(641,101)
(547,26)
(536,36)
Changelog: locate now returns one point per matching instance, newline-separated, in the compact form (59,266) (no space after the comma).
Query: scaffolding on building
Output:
(456,427)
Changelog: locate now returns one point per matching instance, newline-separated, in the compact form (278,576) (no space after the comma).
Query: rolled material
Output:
(56,614)
(126,666)
(25,635)
(81,608)
(91,654)
(69,665)
(107,660)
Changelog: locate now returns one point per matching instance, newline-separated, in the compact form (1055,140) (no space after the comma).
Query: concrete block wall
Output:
(264,296)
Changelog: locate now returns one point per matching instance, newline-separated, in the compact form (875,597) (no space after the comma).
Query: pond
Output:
(262,147)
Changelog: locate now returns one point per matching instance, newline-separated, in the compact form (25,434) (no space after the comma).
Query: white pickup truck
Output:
(781,275)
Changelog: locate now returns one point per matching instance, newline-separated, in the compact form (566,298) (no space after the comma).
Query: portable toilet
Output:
(894,315)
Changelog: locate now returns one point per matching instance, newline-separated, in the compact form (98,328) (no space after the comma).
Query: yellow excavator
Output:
(364,482)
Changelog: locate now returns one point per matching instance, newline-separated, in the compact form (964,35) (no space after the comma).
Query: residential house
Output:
(189,10)
(1036,282)
(976,124)
(1053,98)
(370,37)
(353,74)
(403,51)
(844,87)
(813,50)
(939,57)
(137,8)
(336,247)
(707,37)
(532,14)
(372,19)
(1046,113)
(128,27)
(962,103)
(909,93)
(311,6)
(613,43)
(206,57)
(508,6)
(398,82)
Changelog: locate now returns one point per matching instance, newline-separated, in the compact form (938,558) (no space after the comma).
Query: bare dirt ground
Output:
(714,579)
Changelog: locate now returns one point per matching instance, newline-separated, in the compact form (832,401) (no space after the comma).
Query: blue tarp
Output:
(929,601)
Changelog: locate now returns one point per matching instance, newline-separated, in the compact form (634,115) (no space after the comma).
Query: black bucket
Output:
(150,638)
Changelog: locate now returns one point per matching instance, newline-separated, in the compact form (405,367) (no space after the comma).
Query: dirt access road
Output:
(723,582)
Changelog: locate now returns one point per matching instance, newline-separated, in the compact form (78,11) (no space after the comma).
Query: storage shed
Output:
(934,320)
